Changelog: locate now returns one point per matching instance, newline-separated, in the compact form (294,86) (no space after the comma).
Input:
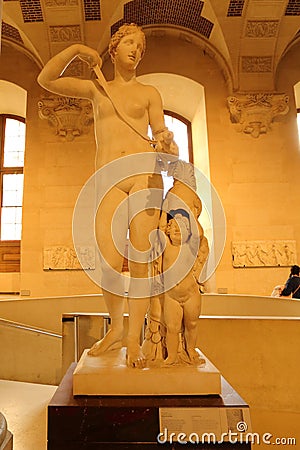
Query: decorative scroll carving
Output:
(256,64)
(255,112)
(65,33)
(70,117)
(62,257)
(271,253)
(262,28)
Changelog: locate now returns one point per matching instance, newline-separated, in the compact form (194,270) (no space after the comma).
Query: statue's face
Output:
(179,230)
(129,50)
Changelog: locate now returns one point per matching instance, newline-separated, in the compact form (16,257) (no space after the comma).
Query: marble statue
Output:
(179,304)
(123,109)
(182,303)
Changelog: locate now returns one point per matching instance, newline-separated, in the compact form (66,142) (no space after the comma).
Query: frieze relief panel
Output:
(69,117)
(271,253)
(254,113)
(56,3)
(61,257)
(262,28)
(256,64)
(65,33)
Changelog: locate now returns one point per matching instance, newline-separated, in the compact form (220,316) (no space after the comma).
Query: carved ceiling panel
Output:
(230,30)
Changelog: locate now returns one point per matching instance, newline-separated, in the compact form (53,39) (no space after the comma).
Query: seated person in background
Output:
(292,286)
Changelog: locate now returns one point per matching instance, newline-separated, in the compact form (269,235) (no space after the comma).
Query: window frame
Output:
(298,122)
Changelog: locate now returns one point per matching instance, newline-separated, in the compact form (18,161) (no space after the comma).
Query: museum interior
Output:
(228,72)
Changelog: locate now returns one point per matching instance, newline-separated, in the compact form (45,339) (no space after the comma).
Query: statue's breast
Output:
(134,108)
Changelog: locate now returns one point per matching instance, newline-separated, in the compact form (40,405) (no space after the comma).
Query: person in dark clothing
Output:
(292,286)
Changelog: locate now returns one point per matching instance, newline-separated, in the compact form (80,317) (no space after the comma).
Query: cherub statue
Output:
(181,299)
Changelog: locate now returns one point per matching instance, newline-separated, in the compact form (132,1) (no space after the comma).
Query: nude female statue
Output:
(140,105)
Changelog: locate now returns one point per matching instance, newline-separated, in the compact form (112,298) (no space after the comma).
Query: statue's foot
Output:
(111,341)
(135,357)
(170,361)
(195,356)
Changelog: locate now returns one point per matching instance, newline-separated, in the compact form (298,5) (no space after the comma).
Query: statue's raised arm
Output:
(50,77)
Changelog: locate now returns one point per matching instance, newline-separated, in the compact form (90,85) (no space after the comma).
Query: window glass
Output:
(12,161)
(14,143)
(180,131)
(12,189)
(11,223)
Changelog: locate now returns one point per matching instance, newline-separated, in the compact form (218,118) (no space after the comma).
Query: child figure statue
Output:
(185,247)
(182,303)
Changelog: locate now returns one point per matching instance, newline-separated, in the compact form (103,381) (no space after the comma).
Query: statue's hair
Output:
(124,30)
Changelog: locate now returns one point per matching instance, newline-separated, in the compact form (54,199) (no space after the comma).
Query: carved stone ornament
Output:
(255,112)
(276,253)
(65,33)
(262,28)
(62,257)
(69,117)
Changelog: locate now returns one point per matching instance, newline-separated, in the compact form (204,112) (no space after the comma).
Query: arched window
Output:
(181,128)
(298,122)
(297,101)
(12,140)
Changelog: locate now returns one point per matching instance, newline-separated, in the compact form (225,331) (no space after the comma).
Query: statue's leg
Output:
(138,296)
(192,309)
(141,226)
(112,282)
(173,314)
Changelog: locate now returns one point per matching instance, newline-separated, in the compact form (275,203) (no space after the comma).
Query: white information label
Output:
(199,425)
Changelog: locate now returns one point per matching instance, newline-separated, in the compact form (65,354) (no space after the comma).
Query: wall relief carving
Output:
(271,253)
(56,3)
(65,33)
(255,112)
(61,257)
(262,28)
(69,117)
(254,64)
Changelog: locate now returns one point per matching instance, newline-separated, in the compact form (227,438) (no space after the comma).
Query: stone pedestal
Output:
(6,439)
(135,422)
(7,444)
(109,375)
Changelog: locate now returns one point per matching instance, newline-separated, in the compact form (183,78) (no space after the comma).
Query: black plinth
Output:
(94,423)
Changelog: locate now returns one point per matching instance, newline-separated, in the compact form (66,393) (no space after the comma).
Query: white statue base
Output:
(108,374)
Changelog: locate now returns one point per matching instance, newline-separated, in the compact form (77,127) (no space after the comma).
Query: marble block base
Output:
(7,444)
(108,375)
(134,422)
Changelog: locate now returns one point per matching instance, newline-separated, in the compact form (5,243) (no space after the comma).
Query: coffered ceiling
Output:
(248,37)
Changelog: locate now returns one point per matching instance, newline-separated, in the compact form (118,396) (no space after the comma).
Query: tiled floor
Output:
(24,406)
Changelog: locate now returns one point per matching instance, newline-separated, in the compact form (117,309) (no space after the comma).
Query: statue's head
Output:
(179,227)
(124,30)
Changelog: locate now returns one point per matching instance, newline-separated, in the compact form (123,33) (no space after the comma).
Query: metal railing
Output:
(29,353)
(21,326)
